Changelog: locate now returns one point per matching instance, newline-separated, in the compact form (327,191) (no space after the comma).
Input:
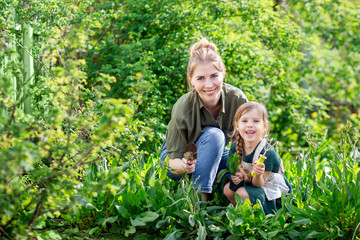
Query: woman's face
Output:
(207,81)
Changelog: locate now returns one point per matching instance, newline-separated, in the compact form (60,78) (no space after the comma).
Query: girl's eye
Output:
(200,78)
(214,75)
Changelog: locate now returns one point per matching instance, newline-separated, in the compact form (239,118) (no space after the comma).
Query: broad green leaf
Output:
(201,234)
(85,203)
(294,233)
(160,223)
(176,235)
(339,158)
(150,176)
(324,145)
(132,199)
(337,170)
(239,221)
(94,230)
(214,228)
(233,163)
(144,218)
(51,235)
(149,216)
(129,230)
(273,233)
(192,220)
(306,213)
(301,221)
(263,234)
(354,190)
(176,202)
(110,220)
(137,222)
(122,211)
(125,166)
(312,235)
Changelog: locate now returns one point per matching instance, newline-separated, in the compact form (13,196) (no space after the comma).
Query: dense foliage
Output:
(80,135)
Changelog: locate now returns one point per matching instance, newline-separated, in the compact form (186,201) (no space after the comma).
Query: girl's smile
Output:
(251,127)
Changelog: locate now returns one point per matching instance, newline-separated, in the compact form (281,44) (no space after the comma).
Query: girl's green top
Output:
(272,161)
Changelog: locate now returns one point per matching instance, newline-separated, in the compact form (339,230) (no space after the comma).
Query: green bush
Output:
(107,75)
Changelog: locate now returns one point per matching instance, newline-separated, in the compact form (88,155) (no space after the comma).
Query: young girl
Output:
(251,125)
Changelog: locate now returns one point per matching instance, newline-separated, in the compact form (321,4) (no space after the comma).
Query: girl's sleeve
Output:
(272,162)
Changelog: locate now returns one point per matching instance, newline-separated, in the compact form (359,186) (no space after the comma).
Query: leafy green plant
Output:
(327,192)
(249,221)
(45,152)
(233,164)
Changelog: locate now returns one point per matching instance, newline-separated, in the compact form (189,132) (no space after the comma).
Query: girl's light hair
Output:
(244,108)
(204,52)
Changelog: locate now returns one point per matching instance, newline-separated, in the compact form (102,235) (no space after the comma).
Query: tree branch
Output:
(7,235)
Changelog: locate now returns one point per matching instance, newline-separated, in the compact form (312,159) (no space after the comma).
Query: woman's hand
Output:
(237,178)
(259,169)
(190,165)
(182,166)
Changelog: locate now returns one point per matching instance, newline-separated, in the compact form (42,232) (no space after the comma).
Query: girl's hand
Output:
(259,169)
(237,178)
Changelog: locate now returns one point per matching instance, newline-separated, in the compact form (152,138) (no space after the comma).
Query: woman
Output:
(203,116)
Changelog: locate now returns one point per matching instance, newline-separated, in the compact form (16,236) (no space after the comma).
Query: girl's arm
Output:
(261,175)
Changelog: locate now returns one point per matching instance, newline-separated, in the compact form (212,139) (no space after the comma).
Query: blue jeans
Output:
(211,158)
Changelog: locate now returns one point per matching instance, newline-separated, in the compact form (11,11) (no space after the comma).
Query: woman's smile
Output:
(207,81)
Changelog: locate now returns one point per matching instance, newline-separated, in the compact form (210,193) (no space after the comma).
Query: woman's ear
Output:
(191,86)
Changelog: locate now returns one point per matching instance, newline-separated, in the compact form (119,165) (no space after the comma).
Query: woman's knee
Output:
(216,134)
(213,135)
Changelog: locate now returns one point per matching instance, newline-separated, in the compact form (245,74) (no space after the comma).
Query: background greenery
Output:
(81,134)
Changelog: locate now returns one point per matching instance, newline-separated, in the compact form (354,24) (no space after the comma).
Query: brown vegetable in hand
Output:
(190,152)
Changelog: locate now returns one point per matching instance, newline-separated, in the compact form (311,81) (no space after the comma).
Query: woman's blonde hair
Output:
(244,108)
(204,52)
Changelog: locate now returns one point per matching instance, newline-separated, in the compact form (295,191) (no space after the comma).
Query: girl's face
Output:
(207,81)
(251,127)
